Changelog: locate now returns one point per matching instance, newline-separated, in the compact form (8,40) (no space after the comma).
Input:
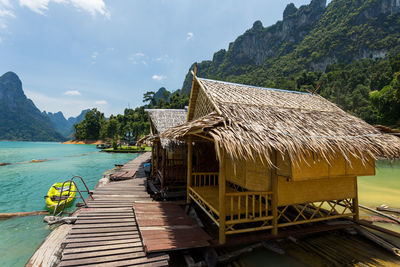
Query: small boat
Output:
(54,196)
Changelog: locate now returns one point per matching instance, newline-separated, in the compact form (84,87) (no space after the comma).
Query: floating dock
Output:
(106,232)
(121,226)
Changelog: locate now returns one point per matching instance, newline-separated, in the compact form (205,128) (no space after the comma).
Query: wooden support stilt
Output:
(221,195)
(152,161)
(356,216)
(189,167)
(274,201)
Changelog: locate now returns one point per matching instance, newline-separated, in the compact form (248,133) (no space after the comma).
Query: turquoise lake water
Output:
(23,185)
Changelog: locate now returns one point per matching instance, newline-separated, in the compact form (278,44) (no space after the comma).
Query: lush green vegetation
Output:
(130,126)
(128,149)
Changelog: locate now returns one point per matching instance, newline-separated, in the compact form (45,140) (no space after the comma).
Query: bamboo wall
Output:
(309,181)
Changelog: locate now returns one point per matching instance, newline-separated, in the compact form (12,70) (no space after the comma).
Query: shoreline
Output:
(83,142)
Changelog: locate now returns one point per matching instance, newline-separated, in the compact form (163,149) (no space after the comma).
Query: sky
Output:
(76,54)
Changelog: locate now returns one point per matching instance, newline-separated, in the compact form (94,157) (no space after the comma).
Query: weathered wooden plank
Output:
(91,238)
(151,247)
(101,220)
(98,248)
(103,230)
(101,253)
(105,210)
(176,233)
(104,242)
(109,205)
(114,194)
(102,259)
(153,262)
(104,225)
(166,221)
(105,216)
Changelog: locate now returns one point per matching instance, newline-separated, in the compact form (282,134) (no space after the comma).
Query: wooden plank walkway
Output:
(106,232)
(166,227)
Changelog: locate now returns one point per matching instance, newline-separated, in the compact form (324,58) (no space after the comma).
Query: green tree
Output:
(148,98)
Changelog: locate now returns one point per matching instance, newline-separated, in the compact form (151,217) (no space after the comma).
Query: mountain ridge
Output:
(310,38)
(20,119)
(62,125)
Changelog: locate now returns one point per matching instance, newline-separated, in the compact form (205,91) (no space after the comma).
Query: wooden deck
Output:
(106,233)
(166,227)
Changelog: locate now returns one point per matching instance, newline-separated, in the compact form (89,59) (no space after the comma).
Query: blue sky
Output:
(77,54)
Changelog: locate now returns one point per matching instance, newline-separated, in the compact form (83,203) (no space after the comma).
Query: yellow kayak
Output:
(53,196)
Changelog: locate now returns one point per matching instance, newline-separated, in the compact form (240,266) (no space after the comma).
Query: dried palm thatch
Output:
(163,119)
(249,121)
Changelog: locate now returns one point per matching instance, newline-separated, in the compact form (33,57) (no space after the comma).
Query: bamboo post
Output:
(152,160)
(221,196)
(356,217)
(274,204)
(189,167)
(156,155)
(163,168)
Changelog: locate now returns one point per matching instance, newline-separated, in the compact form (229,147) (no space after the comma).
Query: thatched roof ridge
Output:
(163,119)
(253,120)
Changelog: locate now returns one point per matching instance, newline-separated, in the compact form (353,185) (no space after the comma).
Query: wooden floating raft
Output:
(166,227)
(106,232)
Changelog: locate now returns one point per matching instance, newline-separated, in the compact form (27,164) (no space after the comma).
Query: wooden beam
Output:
(204,137)
(221,196)
(205,92)
(191,97)
(189,167)
(274,201)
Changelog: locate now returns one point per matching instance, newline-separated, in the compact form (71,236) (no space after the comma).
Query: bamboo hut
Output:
(168,155)
(261,158)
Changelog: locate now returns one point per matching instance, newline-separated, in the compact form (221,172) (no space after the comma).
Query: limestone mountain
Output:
(162,94)
(310,38)
(20,119)
(62,125)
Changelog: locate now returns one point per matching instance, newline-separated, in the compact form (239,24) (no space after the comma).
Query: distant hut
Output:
(261,158)
(168,155)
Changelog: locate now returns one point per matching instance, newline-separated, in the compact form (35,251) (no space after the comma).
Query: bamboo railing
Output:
(248,206)
(205,179)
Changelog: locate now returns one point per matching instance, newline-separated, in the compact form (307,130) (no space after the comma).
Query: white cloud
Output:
(94,7)
(100,102)
(165,58)
(189,36)
(137,57)
(158,77)
(72,92)
(6,12)
(95,54)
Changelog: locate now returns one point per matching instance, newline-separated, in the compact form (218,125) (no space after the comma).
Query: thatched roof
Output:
(163,119)
(250,121)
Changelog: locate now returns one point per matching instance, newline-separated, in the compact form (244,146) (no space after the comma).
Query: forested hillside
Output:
(131,125)
(20,119)
(350,47)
